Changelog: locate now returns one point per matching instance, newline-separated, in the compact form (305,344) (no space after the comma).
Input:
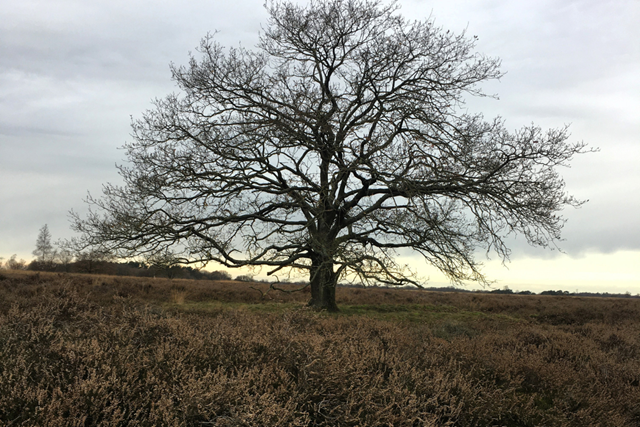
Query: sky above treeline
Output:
(73,73)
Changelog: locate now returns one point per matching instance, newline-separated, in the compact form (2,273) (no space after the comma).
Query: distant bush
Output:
(14,264)
(37,265)
(218,275)
(554,293)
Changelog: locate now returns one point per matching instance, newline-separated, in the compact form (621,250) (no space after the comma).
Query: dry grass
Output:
(85,350)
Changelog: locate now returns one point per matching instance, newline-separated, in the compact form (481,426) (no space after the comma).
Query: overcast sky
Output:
(74,72)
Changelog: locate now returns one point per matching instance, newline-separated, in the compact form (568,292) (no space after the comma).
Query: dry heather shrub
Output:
(70,355)
(178,297)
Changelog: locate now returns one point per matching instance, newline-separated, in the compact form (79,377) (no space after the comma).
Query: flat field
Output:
(79,350)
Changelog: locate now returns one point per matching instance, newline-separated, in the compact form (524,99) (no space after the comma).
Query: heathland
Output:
(86,350)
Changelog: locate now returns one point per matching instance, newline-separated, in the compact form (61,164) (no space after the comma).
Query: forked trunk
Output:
(323,286)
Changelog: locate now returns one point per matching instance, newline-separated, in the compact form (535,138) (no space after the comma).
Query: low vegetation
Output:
(101,350)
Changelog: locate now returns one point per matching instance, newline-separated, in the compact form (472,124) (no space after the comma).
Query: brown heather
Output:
(88,350)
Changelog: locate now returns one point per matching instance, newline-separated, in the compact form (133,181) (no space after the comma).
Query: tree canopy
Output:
(341,139)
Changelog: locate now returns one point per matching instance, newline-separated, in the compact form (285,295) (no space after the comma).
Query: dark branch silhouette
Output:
(339,141)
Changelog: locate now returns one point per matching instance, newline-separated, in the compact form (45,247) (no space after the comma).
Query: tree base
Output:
(331,307)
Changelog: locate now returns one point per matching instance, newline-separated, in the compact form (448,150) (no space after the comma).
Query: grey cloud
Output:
(73,72)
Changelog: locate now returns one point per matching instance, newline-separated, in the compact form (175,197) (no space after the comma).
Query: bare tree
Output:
(339,141)
(93,260)
(44,251)
(14,264)
(166,262)
(64,257)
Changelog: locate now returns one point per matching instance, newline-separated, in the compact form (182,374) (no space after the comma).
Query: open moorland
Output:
(82,350)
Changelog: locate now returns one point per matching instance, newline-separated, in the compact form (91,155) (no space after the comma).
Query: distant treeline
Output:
(141,269)
(508,291)
(131,268)
(559,292)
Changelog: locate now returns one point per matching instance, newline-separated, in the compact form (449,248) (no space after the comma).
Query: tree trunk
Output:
(323,285)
